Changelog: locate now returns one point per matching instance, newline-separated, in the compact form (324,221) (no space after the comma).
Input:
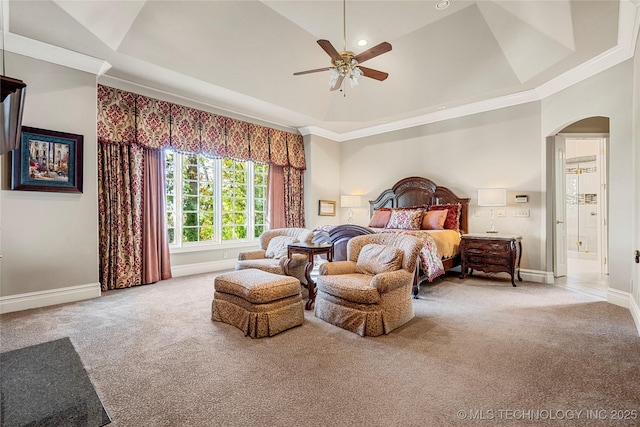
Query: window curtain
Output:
(131,191)
(293,197)
(275,197)
(120,215)
(156,263)
(132,132)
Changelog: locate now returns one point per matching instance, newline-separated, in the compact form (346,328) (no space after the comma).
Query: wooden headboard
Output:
(417,191)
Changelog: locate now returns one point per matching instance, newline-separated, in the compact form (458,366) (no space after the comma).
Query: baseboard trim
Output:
(202,267)
(617,297)
(46,298)
(537,276)
(635,312)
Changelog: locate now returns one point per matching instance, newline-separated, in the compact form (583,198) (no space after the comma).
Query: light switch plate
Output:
(521,213)
(501,212)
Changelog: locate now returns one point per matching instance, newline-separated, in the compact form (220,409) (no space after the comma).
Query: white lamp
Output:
(350,202)
(492,197)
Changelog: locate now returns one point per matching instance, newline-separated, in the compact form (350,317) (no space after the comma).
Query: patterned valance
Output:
(127,118)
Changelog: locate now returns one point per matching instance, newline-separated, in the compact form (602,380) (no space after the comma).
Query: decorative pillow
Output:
(375,259)
(453,215)
(277,247)
(406,219)
(434,220)
(380,218)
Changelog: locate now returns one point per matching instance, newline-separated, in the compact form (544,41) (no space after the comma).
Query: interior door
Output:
(560,209)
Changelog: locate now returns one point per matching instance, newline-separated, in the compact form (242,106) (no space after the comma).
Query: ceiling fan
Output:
(346,63)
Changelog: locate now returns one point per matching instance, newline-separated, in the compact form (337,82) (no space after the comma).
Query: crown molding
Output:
(436,116)
(54,54)
(628,29)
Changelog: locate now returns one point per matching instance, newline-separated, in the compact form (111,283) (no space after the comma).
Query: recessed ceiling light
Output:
(443,4)
(362,43)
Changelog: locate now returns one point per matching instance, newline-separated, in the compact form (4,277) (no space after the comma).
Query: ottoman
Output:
(259,303)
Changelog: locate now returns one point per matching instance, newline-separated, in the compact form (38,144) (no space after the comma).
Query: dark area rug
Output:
(46,385)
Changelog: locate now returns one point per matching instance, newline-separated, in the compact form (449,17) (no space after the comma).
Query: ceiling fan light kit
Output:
(346,64)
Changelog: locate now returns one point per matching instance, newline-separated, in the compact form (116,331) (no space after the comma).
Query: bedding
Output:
(434,220)
(406,219)
(438,245)
(441,251)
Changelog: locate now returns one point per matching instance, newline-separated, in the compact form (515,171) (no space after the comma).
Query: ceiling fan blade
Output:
(328,47)
(311,71)
(374,74)
(338,83)
(383,47)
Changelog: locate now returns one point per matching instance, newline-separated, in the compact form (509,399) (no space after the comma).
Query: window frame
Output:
(179,245)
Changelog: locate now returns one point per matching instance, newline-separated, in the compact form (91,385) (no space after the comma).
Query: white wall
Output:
(495,149)
(50,240)
(606,94)
(322,181)
(507,148)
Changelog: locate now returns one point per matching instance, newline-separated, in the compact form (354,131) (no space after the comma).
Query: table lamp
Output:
(350,202)
(492,197)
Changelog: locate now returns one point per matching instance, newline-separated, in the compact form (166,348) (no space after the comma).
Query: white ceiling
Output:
(240,55)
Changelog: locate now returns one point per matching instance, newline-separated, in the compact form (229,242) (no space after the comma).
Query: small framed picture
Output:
(47,160)
(326,208)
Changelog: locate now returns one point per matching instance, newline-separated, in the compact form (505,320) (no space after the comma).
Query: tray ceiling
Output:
(240,56)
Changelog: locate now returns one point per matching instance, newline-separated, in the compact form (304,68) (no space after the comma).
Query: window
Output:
(214,201)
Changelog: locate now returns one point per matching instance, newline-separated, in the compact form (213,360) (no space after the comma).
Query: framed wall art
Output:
(47,160)
(326,208)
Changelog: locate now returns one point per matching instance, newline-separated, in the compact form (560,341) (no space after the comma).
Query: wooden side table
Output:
(491,253)
(311,250)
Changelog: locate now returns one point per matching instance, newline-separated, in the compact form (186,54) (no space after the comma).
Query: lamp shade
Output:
(350,201)
(492,197)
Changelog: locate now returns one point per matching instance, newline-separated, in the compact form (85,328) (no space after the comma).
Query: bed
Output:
(440,252)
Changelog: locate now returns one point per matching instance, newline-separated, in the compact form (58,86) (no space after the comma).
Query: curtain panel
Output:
(120,215)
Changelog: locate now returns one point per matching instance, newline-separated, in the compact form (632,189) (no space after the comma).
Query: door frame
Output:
(603,236)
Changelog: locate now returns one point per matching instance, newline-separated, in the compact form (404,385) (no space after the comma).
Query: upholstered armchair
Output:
(370,292)
(273,253)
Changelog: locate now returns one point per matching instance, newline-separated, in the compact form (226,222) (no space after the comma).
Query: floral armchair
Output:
(370,292)
(273,253)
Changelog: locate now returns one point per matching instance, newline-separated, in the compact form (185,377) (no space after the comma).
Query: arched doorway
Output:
(580,206)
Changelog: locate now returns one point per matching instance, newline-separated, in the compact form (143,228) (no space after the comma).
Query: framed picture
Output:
(47,160)
(326,208)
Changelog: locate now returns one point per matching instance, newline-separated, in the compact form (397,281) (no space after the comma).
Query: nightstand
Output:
(311,250)
(491,253)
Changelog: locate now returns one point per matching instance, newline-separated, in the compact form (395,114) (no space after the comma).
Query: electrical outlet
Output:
(521,213)
(225,254)
(501,213)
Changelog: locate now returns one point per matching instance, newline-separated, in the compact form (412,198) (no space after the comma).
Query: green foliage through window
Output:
(198,185)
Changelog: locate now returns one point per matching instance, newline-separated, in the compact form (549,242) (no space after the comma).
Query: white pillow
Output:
(277,247)
(375,259)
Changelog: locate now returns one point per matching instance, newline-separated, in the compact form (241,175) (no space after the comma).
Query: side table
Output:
(491,253)
(311,250)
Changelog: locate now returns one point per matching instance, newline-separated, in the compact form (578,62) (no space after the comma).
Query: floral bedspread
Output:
(430,264)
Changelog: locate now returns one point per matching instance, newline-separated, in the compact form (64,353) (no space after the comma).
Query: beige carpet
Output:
(477,349)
